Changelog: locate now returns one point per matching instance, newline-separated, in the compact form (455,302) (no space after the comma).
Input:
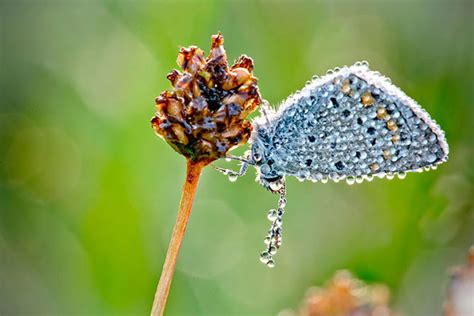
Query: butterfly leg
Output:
(233,175)
(273,240)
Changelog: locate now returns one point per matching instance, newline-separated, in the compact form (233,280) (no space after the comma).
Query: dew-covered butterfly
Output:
(351,124)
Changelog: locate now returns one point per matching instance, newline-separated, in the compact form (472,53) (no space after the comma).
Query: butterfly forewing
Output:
(354,122)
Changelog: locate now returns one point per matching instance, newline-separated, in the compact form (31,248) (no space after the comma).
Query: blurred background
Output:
(88,193)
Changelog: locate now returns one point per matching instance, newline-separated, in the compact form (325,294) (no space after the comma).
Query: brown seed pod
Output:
(345,295)
(461,289)
(204,115)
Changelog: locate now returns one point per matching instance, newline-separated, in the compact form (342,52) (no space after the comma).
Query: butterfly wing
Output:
(354,123)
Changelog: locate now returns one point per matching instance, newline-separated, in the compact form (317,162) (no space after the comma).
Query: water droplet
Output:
(365,63)
(228,159)
(272,215)
(350,180)
(431,158)
(267,240)
(272,250)
(278,222)
(233,177)
(265,257)
(265,168)
(271,263)
(401,175)
(276,185)
(359,179)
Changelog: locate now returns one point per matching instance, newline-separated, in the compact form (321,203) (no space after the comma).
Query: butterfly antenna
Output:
(273,240)
(265,108)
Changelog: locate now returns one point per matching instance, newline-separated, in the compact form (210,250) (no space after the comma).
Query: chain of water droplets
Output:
(273,240)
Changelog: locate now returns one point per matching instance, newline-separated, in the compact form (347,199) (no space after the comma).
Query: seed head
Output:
(460,289)
(345,295)
(204,115)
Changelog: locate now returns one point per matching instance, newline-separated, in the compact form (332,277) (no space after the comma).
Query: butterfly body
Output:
(352,123)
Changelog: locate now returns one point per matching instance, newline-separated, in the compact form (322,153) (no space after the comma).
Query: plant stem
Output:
(193,171)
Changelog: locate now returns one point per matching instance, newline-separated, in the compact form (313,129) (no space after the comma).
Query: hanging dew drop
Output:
(350,180)
(272,250)
(401,175)
(270,263)
(278,222)
(272,215)
(275,186)
(267,240)
(265,257)
(233,177)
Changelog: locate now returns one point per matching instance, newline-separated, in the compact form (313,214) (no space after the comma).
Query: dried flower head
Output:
(204,115)
(345,295)
(460,300)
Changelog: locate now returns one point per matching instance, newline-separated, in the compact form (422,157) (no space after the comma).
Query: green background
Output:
(88,193)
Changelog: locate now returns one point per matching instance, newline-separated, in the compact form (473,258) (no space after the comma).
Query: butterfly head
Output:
(262,158)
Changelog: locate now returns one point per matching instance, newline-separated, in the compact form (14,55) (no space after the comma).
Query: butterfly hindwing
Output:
(353,122)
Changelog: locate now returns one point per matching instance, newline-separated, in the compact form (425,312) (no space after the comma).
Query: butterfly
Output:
(351,124)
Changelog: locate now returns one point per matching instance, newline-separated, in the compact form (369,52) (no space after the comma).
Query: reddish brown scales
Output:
(204,115)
